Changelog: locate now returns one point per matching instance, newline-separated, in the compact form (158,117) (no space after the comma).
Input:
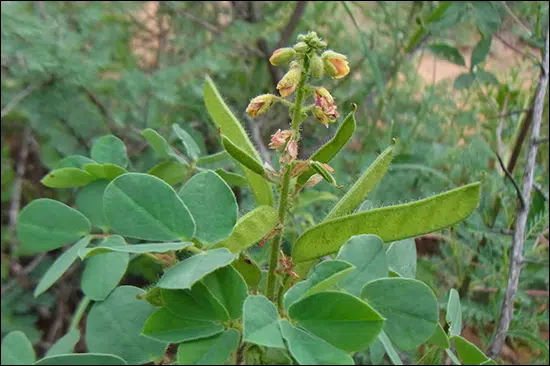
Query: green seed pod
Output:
(322,170)
(242,157)
(317,67)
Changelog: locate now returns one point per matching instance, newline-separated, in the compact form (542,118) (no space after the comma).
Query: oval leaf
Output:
(229,287)
(249,270)
(196,303)
(212,204)
(409,306)
(242,157)
(448,52)
(89,201)
(389,223)
(260,325)
(188,142)
(67,178)
(172,172)
(145,207)
(17,349)
(233,179)
(439,338)
(401,256)
(135,248)
(468,353)
(82,359)
(210,351)
(104,171)
(454,313)
(45,224)
(74,161)
(109,149)
(162,149)
(65,344)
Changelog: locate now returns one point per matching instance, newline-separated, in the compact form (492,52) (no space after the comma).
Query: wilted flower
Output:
(336,64)
(291,152)
(325,109)
(278,139)
(314,180)
(300,167)
(289,82)
(260,104)
(281,56)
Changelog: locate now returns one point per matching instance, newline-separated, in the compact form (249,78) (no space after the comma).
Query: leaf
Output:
(439,338)
(145,207)
(377,351)
(485,77)
(188,142)
(409,307)
(209,351)
(164,326)
(82,359)
(333,146)
(162,149)
(172,172)
(104,171)
(454,313)
(260,326)
(341,319)
(61,264)
(114,327)
(390,350)
(242,156)
(65,344)
(212,205)
(487,17)
(480,51)
(196,303)
(103,272)
(228,124)
(367,254)
(250,229)
(468,353)
(89,201)
(249,270)
(229,287)
(463,81)
(232,179)
(357,194)
(447,52)
(74,161)
(401,256)
(184,274)
(109,149)
(308,349)
(67,178)
(135,248)
(17,349)
(389,223)
(45,224)
(213,159)
(324,276)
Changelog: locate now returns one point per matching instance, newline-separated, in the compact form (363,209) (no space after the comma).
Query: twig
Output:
(112,125)
(516,19)
(541,140)
(26,271)
(515,49)
(21,96)
(510,113)
(511,178)
(500,148)
(522,214)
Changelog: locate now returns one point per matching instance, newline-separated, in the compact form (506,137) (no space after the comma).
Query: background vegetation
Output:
(455,90)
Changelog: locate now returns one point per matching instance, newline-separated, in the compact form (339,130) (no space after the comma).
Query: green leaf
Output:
(260,326)
(480,51)
(333,146)
(454,313)
(74,161)
(109,149)
(172,172)
(89,201)
(145,207)
(65,344)
(196,303)
(439,338)
(228,124)
(134,248)
(308,349)
(104,171)
(17,349)
(188,142)
(357,194)
(324,276)
(452,356)
(250,229)
(390,350)
(377,351)
(162,149)
(485,77)
(209,351)
(341,319)
(67,178)
(242,156)
(447,52)
(82,359)
(114,327)
(401,257)
(164,326)
(409,307)
(468,353)
(45,224)
(249,270)
(103,272)
(463,81)
(389,223)
(184,274)
(232,179)
(212,205)
(367,254)
(213,159)
(61,264)
(229,287)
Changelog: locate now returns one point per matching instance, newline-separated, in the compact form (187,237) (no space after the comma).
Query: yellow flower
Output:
(336,64)
(260,104)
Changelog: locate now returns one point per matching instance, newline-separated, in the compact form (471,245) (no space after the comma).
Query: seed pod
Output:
(324,171)
(242,157)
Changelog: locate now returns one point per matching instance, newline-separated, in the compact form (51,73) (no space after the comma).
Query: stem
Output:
(80,312)
(296,117)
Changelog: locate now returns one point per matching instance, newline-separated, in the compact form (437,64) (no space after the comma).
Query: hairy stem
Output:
(82,306)
(297,115)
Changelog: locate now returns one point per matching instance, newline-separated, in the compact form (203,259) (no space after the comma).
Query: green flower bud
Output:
(316,67)
(301,47)
(282,56)
(336,64)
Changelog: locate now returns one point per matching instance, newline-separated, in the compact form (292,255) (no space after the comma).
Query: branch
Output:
(511,178)
(515,49)
(522,214)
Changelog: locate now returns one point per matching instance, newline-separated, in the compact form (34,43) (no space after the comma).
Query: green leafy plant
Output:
(345,284)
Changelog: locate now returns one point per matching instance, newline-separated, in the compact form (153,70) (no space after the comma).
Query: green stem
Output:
(297,116)
(84,302)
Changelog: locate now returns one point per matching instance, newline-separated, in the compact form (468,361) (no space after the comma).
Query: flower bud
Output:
(289,82)
(282,56)
(278,139)
(316,67)
(260,104)
(336,64)
(325,109)
(291,152)
(301,47)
